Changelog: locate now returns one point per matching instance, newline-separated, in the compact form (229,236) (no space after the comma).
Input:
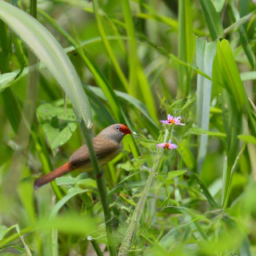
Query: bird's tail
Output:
(52,175)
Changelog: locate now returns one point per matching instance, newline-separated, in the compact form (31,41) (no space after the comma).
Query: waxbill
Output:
(107,144)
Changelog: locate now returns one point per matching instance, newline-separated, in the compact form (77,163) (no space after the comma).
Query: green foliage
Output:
(132,62)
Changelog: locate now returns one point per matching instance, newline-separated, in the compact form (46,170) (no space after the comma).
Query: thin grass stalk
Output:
(101,188)
(96,248)
(135,219)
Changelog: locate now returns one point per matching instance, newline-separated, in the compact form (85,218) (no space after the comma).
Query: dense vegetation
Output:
(70,68)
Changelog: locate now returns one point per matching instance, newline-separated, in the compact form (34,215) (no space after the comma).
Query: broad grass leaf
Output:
(226,74)
(205,53)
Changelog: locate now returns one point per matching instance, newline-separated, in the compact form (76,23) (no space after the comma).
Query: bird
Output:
(107,145)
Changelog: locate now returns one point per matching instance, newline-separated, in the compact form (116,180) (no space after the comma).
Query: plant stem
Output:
(102,189)
(33,8)
(96,248)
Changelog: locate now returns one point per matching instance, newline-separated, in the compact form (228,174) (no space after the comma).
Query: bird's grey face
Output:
(116,132)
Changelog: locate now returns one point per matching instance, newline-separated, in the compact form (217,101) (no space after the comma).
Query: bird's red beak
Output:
(124,129)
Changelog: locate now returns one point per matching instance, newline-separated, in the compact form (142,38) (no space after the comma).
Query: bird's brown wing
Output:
(105,150)
(80,157)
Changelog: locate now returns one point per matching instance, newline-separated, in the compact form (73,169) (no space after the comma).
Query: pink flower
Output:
(168,145)
(172,120)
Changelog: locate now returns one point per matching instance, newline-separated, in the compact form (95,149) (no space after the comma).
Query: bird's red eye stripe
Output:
(124,129)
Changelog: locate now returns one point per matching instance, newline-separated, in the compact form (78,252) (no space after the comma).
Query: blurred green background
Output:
(72,64)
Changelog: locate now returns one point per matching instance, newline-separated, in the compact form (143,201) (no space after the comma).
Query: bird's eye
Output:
(117,128)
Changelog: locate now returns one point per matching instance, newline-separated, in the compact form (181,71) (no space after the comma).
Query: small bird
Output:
(107,144)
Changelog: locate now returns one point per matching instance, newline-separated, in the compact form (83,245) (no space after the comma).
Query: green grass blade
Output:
(234,102)
(212,19)
(205,53)
(186,46)
(228,75)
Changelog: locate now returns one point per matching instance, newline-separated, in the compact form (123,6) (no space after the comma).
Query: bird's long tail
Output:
(52,175)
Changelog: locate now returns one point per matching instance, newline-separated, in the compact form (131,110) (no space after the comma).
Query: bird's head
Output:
(122,128)
(116,132)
